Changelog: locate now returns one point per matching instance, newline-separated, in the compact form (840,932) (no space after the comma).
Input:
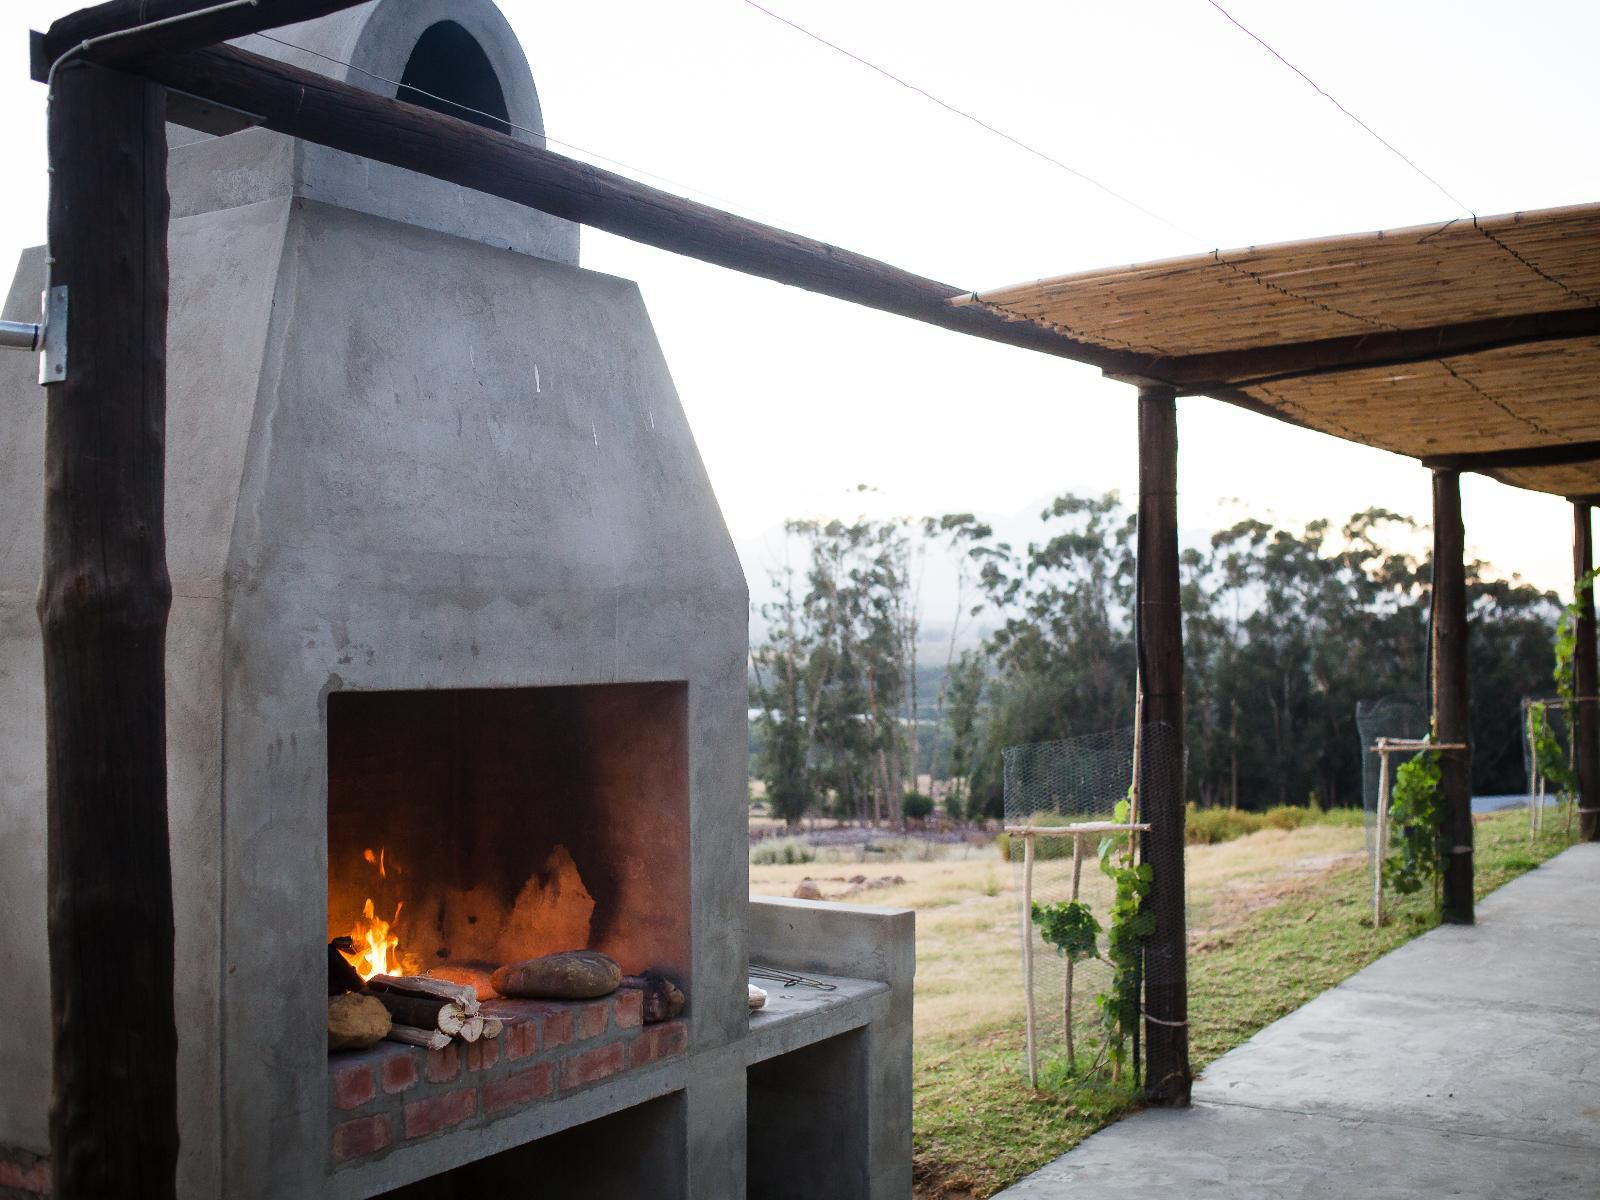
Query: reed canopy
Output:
(1472,344)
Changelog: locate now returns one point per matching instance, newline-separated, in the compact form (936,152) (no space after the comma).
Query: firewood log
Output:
(472,1029)
(570,975)
(662,999)
(424,1012)
(427,987)
(493,1027)
(428,1039)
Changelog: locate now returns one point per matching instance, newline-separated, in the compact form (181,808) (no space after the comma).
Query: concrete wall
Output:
(860,942)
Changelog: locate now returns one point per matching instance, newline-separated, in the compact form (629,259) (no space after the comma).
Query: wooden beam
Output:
(1451,695)
(103,604)
(1366,351)
(318,109)
(1160,638)
(1586,723)
(1560,454)
(167,27)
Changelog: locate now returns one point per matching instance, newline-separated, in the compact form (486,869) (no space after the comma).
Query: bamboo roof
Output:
(1474,343)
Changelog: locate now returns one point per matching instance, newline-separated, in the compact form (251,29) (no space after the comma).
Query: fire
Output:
(377,944)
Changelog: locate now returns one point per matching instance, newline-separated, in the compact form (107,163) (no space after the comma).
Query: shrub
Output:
(916,806)
(781,851)
(1210,826)
(1286,816)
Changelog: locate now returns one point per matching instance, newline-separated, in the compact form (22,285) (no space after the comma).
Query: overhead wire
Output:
(1083,176)
(1333,100)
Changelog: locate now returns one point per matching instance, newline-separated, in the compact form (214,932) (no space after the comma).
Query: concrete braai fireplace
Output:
(458,645)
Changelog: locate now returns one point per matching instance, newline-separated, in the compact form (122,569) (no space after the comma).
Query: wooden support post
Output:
(103,605)
(306,105)
(1451,694)
(1160,618)
(1585,723)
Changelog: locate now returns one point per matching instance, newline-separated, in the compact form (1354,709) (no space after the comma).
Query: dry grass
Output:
(967,937)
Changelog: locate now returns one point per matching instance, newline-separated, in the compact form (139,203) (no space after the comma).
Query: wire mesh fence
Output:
(1066,959)
(1398,718)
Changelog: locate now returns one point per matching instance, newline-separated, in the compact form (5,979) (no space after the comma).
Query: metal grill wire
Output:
(1404,717)
(1067,782)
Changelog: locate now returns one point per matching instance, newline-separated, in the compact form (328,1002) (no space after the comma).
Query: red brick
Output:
(518,1088)
(399,1073)
(353,1086)
(361,1137)
(630,1008)
(558,1028)
(25,1176)
(591,1066)
(482,1055)
(593,1019)
(440,1112)
(521,1039)
(443,1065)
(658,1042)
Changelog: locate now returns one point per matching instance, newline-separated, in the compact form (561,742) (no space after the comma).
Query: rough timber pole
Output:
(103,607)
(1166,987)
(1451,697)
(1586,721)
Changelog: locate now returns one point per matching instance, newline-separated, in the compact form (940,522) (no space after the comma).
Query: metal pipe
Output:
(19,335)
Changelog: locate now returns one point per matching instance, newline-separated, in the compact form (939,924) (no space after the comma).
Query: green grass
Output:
(978,1127)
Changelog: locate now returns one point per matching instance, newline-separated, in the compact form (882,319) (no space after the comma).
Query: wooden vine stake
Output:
(1077,833)
(1027,951)
(1384,747)
(1077,874)
(1533,772)
(1381,834)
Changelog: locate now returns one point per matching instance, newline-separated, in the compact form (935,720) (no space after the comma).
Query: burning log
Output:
(663,1000)
(428,1039)
(424,1012)
(426,987)
(342,977)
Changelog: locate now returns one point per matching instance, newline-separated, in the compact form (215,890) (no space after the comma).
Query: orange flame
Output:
(377,944)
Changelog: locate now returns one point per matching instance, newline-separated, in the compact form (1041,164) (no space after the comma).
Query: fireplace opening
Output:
(469,829)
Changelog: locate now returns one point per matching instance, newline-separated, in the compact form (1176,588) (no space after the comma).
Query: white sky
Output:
(796,398)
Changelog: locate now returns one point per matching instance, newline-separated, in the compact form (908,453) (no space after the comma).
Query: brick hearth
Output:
(395,1095)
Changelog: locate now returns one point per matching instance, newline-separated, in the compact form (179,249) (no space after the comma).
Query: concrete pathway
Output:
(1466,1063)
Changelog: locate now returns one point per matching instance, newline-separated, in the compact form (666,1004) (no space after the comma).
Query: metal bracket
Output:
(53,354)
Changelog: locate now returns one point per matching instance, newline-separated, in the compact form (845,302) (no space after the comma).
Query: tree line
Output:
(1285,630)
